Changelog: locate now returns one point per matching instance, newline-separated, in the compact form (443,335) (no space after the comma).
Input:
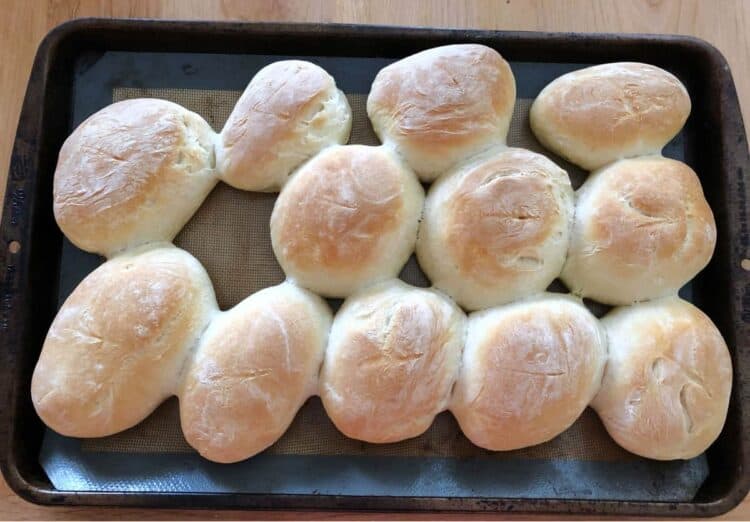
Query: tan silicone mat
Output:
(230,236)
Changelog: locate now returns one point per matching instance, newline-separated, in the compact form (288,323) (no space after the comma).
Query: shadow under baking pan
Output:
(230,235)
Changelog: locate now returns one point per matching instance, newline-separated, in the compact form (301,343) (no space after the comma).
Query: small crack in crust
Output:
(666,389)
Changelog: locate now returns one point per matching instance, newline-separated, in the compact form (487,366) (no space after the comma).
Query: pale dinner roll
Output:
(348,218)
(391,361)
(289,111)
(256,365)
(442,105)
(118,344)
(529,370)
(132,173)
(497,229)
(666,388)
(599,114)
(642,230)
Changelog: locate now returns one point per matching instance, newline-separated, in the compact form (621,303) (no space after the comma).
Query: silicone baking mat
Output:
(230,235)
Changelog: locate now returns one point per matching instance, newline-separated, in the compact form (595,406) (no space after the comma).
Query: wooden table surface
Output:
(724,23)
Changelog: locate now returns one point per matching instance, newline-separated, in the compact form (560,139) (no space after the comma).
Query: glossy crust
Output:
(288,113)
(347,219)
(600,114)
(117,346)
(666,389)
(643,229)
(529,370)
(392,359)
(497,229)
(132,173)
(442,105)
(256,365)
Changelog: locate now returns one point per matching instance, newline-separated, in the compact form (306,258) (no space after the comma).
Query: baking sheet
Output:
(230,236)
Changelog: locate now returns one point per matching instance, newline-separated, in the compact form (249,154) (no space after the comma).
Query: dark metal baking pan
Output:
(41,267)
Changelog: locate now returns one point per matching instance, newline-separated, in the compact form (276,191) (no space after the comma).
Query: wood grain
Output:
(724,23)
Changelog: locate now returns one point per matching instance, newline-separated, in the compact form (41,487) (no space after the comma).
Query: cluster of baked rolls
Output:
(497,226)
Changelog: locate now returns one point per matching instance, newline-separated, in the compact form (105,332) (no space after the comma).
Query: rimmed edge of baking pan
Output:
(29,272)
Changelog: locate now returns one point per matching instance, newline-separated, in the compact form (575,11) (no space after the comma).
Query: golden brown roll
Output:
(442,105)
(256,365)
(132,173)
(529,370)
(642,230)
(666,388)
(600,114)
(290,111)
(348,218)
(391,361)
(497,229)
(118,344)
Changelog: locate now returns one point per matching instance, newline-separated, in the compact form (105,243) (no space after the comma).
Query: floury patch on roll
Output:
(666,389)
(529,370)
(497,229)
(134,172)
(442,105)
(117,346)
(600,114)
(348,218)
(256,365)
(289,112)
(392,359)
(642,230)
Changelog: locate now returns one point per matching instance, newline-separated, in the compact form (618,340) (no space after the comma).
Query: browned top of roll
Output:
(116,346)
(392,357)
(127,145)
(618,108)
(653,209)
(253,369)
(126,165)
(501,207)
(279,121)
(668,380)
(447,96)
(337,207)
(529,369)
(281,92)
(612,111)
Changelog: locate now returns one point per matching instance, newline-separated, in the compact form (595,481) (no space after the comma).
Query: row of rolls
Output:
(496,227)
(393,357)
(497,223)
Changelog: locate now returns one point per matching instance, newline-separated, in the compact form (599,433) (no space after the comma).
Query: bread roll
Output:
(442,105)
(118,344)
(642,230)
(256,365)
(666,388)
(289,111)
(391,361)
(133,172)
(348,218)
(529,370)
(599,114)
(498,229)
